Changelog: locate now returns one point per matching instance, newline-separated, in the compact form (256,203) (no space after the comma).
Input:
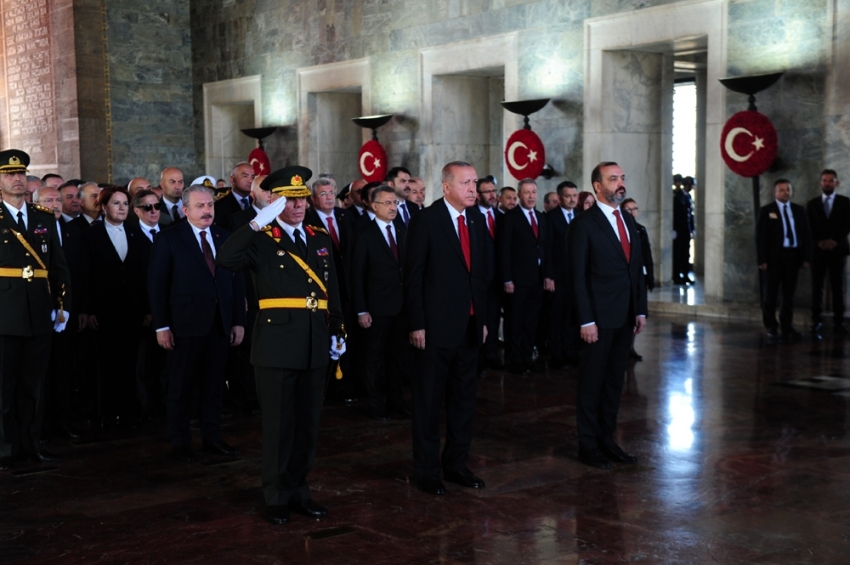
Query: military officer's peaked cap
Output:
(290,182)
(205,180)
(14,161)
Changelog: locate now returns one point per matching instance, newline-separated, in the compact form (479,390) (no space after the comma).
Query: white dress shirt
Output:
(197,232)
(612,219)
(454,214)
(324,217)
(290,230)
(147,230)
(67,217)
(383,225)
(169,206)
(828,200)
(14,212)
(118,237)
(569,215)
(785,230)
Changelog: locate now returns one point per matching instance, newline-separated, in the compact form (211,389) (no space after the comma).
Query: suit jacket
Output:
(290,338)
(521,256)
(112,289)
(79,224)
(646,252)
(342,257)
(184,296)
(606,288)
(556,250)
(770,234)
(226,207)
(836,227)
(490,247)
(683,212)
(26,304)
(165,218)
(438,288)
(376,275)
(72,248)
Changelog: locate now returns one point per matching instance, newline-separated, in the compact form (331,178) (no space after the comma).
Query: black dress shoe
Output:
(593,458)
(68,431)
(183,453)
(463,477)
(635,355)
(840,329)
(817,328)
(308,508)
(616,454)
(772,333)
(277,515)
(44,456)
(220,448)
(432,485)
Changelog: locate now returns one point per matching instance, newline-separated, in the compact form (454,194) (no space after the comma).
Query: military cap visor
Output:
(14,161)
(290,182)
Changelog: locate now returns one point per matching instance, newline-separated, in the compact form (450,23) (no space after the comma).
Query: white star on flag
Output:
(532,156)
(758,143)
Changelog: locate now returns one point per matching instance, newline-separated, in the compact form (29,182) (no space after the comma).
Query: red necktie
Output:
(491,223)
(332,232)
(393,245)
(208,255)
(534,224)
(624,237)
(463,234)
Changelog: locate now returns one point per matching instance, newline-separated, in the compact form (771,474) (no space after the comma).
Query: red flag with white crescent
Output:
(525,155)
(748,143)
(260,161)
(373,161)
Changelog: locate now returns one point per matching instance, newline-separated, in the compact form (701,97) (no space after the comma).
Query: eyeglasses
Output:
(630,210)
(389,202)
(325,193)
(491,191)
(151,207)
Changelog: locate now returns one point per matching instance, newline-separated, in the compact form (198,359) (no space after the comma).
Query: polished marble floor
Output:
(737,466)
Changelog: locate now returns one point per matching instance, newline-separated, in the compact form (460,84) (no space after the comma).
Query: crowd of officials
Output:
(191,300)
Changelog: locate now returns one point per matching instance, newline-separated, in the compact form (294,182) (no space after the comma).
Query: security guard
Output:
(299,319)
(35,287)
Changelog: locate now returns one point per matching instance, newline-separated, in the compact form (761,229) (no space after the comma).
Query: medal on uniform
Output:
(44,248)
(326,275)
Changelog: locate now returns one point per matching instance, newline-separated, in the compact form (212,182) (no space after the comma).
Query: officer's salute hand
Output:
(269,213)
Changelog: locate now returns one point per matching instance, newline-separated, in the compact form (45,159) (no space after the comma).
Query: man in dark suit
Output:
(376,282)
(416,198)
(171,183)
(238,198)
(445,282)
(630,207)
(198,311)
(112,268)
(683,229)
(357,207)
(398,178)
(521,245)
(609,292)
(300,319)
(89,197)
(34,298)
(487,205)
(563,332)
(829,220)
(783,245)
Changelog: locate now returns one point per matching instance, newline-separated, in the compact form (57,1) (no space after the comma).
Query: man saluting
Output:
(299,310)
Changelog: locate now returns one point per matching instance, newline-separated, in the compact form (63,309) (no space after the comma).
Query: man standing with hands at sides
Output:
(606,271)
(783,245)
(297,333)
(171,183)
(829,220)
(198,311)
(35,299)
(562,331)
(487,205)
(445,282)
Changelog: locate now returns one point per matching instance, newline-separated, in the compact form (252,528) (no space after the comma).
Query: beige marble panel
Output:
(230,105)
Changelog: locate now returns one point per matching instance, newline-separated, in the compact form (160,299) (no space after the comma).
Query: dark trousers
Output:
(450,373)
(23,369)
(56,408)
(525,303)
(833,263)
(601,374)
(151,373)
(88,401)
(196,367)
(239,373)
(563,333)
(291,403)
(385,342)
(781,273)
(495,293)
(117,347)
(681,255)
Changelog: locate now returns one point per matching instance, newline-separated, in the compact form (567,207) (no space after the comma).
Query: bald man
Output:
(137,184)
(171,183)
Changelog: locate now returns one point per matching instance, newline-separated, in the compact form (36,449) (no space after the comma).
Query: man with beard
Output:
(609,293)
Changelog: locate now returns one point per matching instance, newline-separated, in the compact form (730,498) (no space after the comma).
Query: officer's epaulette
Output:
(41,208)
(318,229)
(221,195)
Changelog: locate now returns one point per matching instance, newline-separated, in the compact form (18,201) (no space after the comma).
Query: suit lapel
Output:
(449,229)
(106,243)
(187,234)
(376,229)
(602,221)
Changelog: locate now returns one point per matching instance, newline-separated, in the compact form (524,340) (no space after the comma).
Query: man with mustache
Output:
(609,293)
(198,310)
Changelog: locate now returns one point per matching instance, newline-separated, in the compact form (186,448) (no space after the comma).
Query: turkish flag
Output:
(748,143)
(525,155)
(260,161)
(373,161)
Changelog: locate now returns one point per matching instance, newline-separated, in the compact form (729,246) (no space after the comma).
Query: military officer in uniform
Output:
(34,299)
(299,319)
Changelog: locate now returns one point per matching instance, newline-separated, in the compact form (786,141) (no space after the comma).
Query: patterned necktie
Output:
(624,237)
(491,223)
(534,227)
(22,227)
(789,233)
(393,245)
(332,232)
(299,243)
(208,254)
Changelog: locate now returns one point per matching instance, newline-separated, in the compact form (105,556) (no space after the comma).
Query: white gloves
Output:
(270,212)
(337,347)
(57,325)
